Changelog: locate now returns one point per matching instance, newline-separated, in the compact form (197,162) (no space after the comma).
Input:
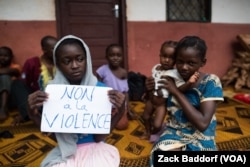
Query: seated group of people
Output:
(18,82)
(191,110)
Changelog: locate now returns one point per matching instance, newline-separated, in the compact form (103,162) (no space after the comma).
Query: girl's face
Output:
(5,58)
(166,58)
(71,60)
(188,62)
(115,56)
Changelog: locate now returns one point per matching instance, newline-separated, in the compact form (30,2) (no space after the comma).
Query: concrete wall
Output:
(145,38)
(148,28)
(24,23)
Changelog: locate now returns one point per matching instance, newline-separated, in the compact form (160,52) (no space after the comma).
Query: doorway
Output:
(98,22)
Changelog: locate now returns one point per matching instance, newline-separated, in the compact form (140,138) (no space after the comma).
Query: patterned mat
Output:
(233,131)
(28,146)
(134,151)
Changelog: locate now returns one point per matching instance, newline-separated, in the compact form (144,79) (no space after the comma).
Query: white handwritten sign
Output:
(76,109)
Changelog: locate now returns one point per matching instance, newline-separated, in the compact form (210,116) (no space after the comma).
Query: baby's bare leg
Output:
(148,111)
(159,117)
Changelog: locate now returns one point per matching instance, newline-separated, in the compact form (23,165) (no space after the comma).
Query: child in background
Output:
(8,72)
(155,109)
(115,76)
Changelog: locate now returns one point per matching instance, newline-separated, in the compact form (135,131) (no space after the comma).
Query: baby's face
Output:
(167,58)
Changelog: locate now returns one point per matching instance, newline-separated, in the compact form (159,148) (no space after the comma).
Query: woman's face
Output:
(188,62)
(71,60)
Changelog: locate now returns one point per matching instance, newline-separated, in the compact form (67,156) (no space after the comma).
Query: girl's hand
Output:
(36,99)
(168,83)
(117,98)
(150,83)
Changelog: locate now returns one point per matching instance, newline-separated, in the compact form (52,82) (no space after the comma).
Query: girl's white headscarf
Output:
(67,141)
(88,79)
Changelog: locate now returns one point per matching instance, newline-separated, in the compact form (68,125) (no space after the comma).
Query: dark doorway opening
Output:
(98,22)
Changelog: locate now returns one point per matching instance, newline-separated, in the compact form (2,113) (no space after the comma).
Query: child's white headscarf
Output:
(88,79)
(67,141)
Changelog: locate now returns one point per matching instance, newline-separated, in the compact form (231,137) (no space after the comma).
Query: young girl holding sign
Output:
(74,67)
